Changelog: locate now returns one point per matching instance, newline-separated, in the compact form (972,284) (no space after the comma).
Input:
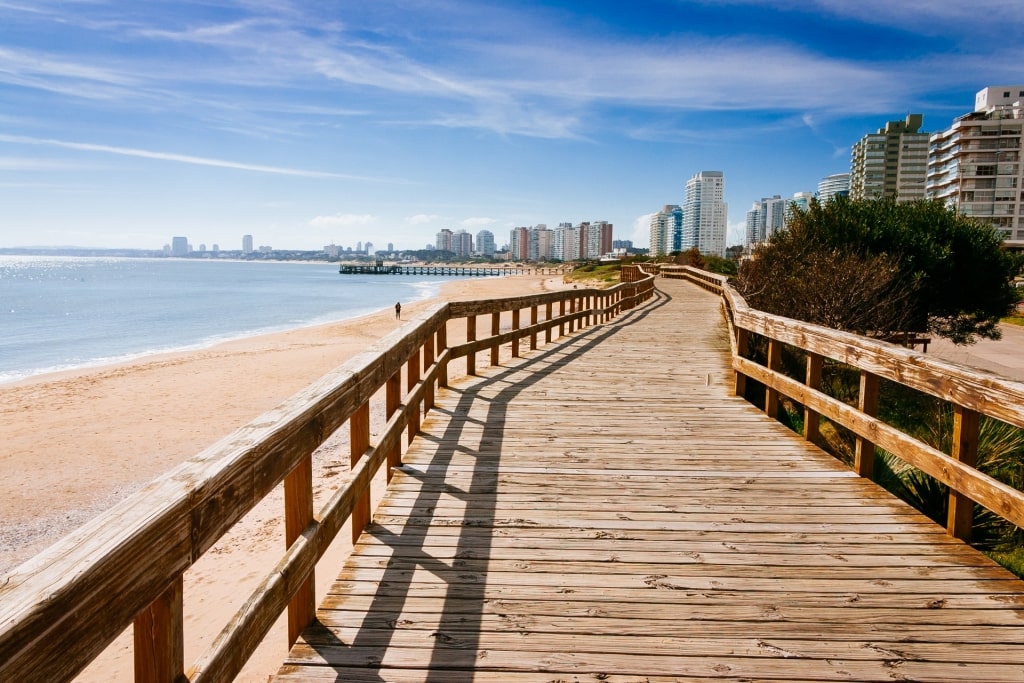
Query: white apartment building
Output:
(541,241)
(462,244)
(444,240)
(666,230)
(891,162)
(566,245)
(705,214)
(976,165)
(485,243)
(833,185)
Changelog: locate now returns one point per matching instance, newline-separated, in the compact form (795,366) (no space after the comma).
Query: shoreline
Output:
(76,441)
(435,290)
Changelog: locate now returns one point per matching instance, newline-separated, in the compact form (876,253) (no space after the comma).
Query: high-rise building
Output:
(246,244)
(462,244)
(485,243)
(975,166)
(541,242)
(837,184)
(179,246)
(891,162)
(666,230)
(801,201)
(705,214)
(765,218)
(604,234)
(519,244)
(444,240)
(566,245)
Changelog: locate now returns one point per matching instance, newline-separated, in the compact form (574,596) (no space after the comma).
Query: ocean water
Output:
(58,313)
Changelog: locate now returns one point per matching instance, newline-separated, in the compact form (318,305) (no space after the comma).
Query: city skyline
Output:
(309,125)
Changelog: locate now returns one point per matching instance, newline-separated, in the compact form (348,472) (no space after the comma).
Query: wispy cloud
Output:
(27,164)
(178,158)
(423,219)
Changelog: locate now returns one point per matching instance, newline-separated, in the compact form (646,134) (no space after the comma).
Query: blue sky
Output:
(125,123)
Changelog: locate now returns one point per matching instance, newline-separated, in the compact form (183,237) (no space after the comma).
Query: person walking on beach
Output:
(398,310)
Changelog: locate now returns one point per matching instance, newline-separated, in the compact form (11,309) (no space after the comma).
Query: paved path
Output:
(1004,357)
(608,511)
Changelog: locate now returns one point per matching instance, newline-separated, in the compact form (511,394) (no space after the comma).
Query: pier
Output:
(579,490)
(448,271)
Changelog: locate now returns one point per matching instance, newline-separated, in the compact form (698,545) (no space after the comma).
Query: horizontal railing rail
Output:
(972,393)
(61,609)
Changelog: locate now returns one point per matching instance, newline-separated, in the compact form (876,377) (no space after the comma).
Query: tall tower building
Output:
(891,162)
(604,231)
(462,244)
(246,244)
(801,201)
(566,245)
(705,214)
(485,243)
(837,184)
(541,242)
(444,240)
(519,244)
(975,166)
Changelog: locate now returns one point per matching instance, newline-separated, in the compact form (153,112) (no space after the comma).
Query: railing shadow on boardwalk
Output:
(456,647)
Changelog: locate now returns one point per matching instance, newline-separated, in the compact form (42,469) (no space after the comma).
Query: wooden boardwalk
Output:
(607,511)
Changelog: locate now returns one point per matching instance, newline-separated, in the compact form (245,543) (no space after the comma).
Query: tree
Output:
(881,268)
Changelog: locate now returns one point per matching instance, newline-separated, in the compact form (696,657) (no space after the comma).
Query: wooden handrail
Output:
(62,608)
(971,392)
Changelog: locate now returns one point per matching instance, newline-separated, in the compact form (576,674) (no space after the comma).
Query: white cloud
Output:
(737,233)
(342,220)
(641,232)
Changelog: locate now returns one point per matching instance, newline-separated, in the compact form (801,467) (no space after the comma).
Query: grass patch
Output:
(599,277)
(1012,559)
(1015,319)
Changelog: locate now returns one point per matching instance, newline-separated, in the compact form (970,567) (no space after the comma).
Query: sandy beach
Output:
(75,442)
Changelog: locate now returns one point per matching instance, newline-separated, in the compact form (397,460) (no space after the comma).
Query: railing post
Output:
(392,400)
(867,403)
(412,378)
(572,310)
(742,342)
(470,337)
(298,513)
(359,442)
(966,427)
(159,636)
(548,308)
(533,323)
(428,360)
(561,314)
(515,328)
(442,345)
(812,421)
(495,331)
(771,396)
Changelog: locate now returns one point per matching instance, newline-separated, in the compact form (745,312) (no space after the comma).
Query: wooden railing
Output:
(60,610)
(972,393)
